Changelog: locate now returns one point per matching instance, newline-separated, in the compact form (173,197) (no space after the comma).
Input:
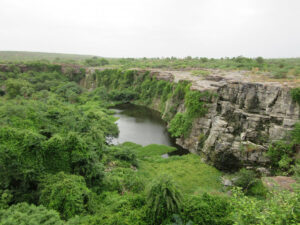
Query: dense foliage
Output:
(143,88)
(57,167)
(95,61)
(164,199)
(278,68)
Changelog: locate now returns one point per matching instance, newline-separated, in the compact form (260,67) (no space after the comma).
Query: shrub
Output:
(123,180)
(203,73)
(163,198)
(296,170)
(67,194)
(295,93)
(280,74)
(21,162)
(260,60)
(70,91)
(195,103)
(95,61)
(278,208)
(125,154)
(24,213)
(5,199)
(245,179)
(207,209)
(15,87)
(280,154)
(126,95)
(296,133)
(257,190)
(180,125)
(85,220)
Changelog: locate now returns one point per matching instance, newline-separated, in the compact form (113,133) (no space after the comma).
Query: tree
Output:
(207,209)
(65,193)
(26,214)
(15,87)
(21,162)
(260,60)
(95,61)
(164,199)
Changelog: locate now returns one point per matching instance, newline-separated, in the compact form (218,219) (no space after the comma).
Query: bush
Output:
(95,61)
(126,95)
(207,209)
(180,125)
(295,93)
(125,154)
(245,179)
(23,213)
(280,154)
(21,162)
(123,180)
(278,208)
(67,194)
(15,87)
(296,134)
(257,190)
(260,60)
(203,73)
(164,199)
(5,199)
(195,103)
(280,74)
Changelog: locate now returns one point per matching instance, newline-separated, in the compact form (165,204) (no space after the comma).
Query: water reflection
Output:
(141,125)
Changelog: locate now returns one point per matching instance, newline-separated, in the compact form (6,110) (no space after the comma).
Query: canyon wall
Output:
(243,117)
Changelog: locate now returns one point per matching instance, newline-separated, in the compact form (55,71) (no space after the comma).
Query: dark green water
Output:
(143,126)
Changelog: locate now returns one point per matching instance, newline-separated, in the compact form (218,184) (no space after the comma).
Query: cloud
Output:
(138,28)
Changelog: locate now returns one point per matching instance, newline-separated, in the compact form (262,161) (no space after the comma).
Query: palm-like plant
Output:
(164,199)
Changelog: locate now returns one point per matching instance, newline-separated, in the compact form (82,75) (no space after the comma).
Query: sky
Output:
(153,28)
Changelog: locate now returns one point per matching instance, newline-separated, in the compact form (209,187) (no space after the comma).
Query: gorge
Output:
(242,115)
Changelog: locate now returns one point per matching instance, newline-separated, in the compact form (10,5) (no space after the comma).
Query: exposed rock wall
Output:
(244,117)
(241,123)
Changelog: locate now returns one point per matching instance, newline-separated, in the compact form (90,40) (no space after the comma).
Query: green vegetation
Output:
(282,153)
(24,213)
(207,209)
(287,68)
(56,166)
(278,208)
(164,199)
(295,92)
(203,73)
(278,68)
(94,61)
(14,56)
(143,89)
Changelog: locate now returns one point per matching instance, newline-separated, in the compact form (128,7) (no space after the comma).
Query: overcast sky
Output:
(152,28)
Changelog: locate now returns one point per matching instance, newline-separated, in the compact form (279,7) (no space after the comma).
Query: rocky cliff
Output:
(243,117)
(241,123)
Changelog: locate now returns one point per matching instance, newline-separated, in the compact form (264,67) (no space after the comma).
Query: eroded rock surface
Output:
(244,116)
(243,119)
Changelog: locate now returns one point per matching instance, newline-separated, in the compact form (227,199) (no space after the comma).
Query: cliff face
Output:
(241,123)
(243,117)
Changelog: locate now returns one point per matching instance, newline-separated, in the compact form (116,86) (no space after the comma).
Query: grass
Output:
(29,56)
(200,73)
(191,174)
